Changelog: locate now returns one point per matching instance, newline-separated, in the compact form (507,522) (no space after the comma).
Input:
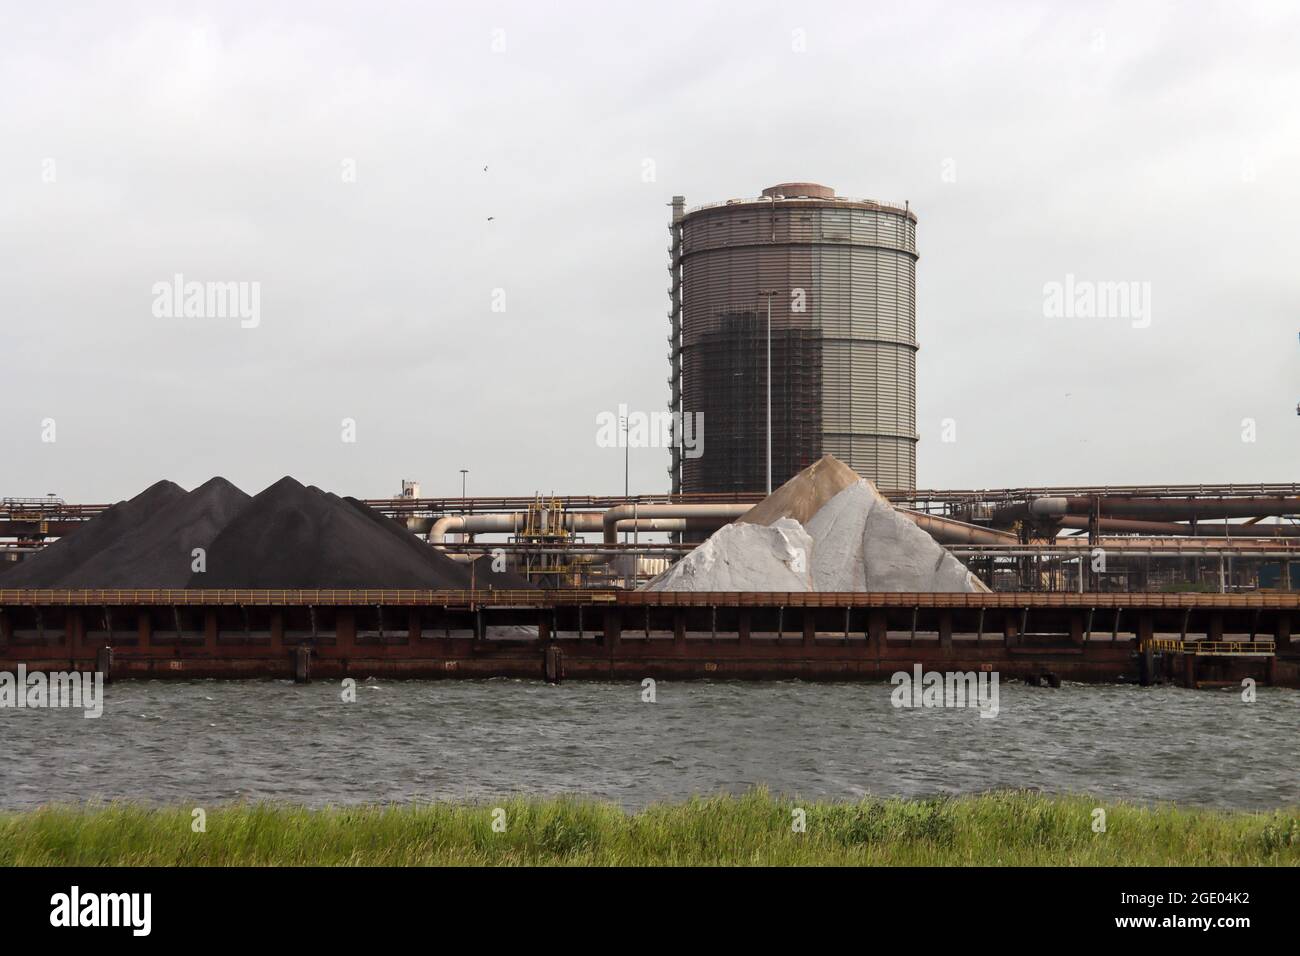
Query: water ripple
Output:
(210,741)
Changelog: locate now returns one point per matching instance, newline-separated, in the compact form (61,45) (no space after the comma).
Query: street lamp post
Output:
(769,294)
(627,460)
(463,473)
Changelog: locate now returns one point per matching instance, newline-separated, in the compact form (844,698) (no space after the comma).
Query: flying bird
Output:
(490,218)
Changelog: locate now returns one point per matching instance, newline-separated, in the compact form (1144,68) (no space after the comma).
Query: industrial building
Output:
(792,329)
(839,278)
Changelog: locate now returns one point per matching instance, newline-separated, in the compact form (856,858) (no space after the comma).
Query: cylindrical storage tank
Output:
(843,337)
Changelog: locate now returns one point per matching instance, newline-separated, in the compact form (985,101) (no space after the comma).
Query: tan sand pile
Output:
(803,495)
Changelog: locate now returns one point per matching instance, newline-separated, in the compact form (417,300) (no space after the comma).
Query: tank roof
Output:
(799,191)
(804,195)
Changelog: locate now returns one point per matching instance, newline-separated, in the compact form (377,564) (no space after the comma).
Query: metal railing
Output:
(298,596)
(534,597)
(885,204)
(1254,648)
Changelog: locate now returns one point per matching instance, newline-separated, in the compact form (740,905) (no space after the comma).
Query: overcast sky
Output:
(334,154)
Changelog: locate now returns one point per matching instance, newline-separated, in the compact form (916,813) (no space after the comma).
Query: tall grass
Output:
(757,828)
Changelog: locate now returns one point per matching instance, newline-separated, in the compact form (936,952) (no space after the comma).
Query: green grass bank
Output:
(1013,829)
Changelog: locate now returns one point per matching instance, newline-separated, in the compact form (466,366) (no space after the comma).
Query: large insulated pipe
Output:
(948,531)
(514,522)
(473,524)
(611,518)
(1073,554)
(679,518)
(1188,546)
(688,518)
(943,530)
(1220,530)
(1170,509)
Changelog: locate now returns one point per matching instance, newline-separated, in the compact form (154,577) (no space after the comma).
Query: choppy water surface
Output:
(169,742)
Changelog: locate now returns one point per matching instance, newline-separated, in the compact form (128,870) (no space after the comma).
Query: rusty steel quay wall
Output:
(631,635)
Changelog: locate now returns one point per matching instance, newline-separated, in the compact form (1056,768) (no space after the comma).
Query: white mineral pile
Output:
(826,529)
(745,557)
(862,543)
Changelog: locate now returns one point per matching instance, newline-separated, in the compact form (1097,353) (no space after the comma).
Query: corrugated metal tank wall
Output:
(844,368)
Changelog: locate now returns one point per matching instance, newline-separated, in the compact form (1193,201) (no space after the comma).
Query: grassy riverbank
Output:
(996,829)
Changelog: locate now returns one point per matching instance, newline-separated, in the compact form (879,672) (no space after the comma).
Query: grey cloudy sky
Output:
(1144,142)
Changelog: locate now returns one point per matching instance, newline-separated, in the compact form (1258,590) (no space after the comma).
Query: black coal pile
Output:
(482,575)
(292,536)
(159,553)
(440,562)
(58,565)
(289,536)
(485,577)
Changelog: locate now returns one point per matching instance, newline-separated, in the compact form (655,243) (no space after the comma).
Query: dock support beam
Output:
(104,663)
(1145,630)
(302,664)
(1076,628)
(1010,630)
(877,629)
(553,667)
